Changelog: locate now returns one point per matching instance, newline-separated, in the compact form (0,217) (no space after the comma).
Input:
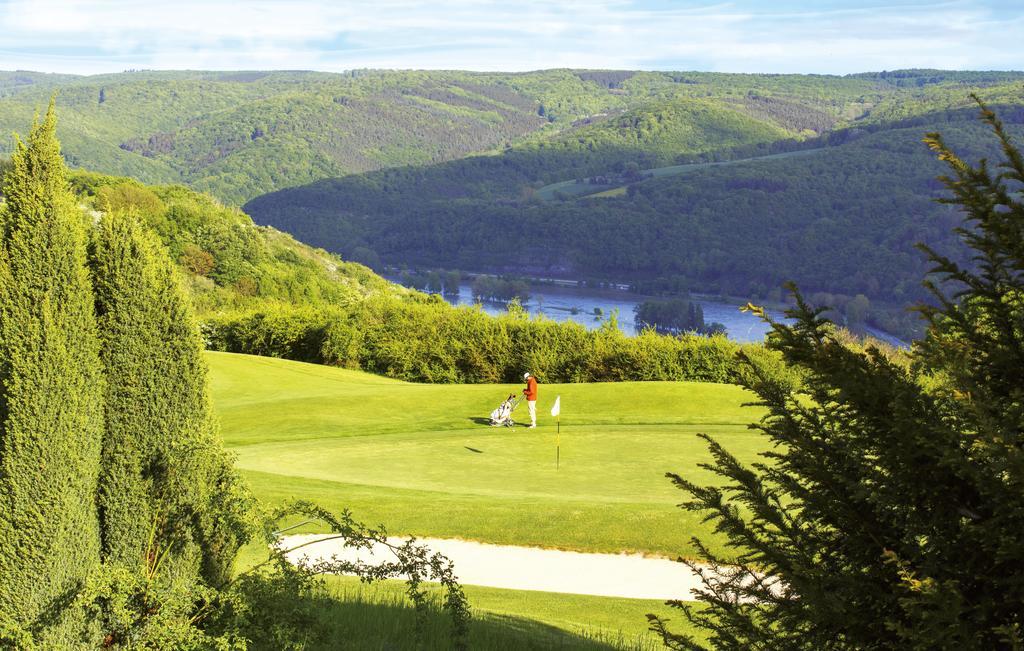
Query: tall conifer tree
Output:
(163,468)
(51,393)
(891,513)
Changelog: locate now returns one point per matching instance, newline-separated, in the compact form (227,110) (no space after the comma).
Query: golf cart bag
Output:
(503,414)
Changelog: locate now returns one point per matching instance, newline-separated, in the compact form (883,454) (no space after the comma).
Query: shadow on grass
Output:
(487,421)
(348,619)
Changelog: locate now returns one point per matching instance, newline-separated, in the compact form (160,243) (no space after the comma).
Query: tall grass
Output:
(380,617)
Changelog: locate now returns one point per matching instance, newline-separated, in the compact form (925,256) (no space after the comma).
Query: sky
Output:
(823,36)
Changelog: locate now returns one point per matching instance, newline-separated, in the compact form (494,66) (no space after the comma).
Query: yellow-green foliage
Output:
(228,262)
(125,196)
(431,341)
(171,508)
(51,392)
(161,453)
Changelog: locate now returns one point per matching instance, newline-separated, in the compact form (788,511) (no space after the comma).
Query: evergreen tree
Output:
(890,514)
(51,392)
(163,471)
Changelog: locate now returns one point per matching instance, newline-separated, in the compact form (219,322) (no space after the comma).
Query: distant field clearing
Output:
(576,190)
(614,192)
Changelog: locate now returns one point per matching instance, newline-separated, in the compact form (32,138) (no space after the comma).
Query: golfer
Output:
(531,397)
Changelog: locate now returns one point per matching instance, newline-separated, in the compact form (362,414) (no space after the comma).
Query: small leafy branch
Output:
(412,561)
(152,606)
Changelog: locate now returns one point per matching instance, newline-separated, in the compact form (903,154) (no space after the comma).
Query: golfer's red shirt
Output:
(531,389)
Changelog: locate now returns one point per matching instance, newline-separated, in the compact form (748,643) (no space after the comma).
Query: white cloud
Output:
(107,35)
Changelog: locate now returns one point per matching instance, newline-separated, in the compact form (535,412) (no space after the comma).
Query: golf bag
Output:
(503,414)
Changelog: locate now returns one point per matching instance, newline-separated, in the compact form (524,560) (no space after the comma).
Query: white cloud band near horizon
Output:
(825,36)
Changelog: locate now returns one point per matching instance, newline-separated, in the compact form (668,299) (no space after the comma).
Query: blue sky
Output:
(828,36)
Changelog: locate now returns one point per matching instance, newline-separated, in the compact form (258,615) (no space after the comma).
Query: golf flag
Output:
(556,409)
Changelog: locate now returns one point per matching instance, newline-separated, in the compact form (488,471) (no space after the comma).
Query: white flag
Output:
(557,409)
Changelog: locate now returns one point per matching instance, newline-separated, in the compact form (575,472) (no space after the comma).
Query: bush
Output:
(288,332)
(196,260)
(430,341)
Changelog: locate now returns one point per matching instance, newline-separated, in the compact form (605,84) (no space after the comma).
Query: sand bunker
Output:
(531,568)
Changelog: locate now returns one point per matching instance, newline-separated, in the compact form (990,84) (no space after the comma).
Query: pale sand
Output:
(531,568)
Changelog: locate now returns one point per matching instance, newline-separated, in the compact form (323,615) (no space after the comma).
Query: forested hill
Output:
(242,134)
(238,135)
(609,174)
(229,263)
(839,213)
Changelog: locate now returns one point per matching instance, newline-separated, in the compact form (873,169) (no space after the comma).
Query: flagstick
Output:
(558,440)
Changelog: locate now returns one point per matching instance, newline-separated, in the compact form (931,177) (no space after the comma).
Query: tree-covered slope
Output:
(383,156)
(242,134)
(661,132)
(841,219)
(239,135)
(226,261)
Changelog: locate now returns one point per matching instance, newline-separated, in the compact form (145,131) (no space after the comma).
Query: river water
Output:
(561,303)
(577,304)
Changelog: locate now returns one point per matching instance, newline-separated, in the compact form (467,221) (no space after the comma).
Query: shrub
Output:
(430,341)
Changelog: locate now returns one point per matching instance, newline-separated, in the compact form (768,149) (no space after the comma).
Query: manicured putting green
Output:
(422,459)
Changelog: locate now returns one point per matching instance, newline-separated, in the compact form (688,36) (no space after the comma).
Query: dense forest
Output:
(722,183)
(840,214)
(843,219)
(242,134)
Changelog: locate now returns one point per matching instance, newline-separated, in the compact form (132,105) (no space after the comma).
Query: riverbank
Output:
(593,307)
(562,299)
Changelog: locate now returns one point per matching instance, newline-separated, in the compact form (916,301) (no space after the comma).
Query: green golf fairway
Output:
(422,459)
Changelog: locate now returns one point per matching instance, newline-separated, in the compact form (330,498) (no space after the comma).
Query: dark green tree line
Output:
(674,316)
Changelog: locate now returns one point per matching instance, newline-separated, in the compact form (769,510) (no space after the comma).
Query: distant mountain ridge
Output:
(433,168)
(241,134)
(840,221)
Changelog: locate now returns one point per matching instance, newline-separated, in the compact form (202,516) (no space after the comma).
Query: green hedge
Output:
(431,341)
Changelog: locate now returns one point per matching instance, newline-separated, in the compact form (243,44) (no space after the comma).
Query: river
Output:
(578,304)
(562,303)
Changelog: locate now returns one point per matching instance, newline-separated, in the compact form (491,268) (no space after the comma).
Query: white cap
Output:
(526,375)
